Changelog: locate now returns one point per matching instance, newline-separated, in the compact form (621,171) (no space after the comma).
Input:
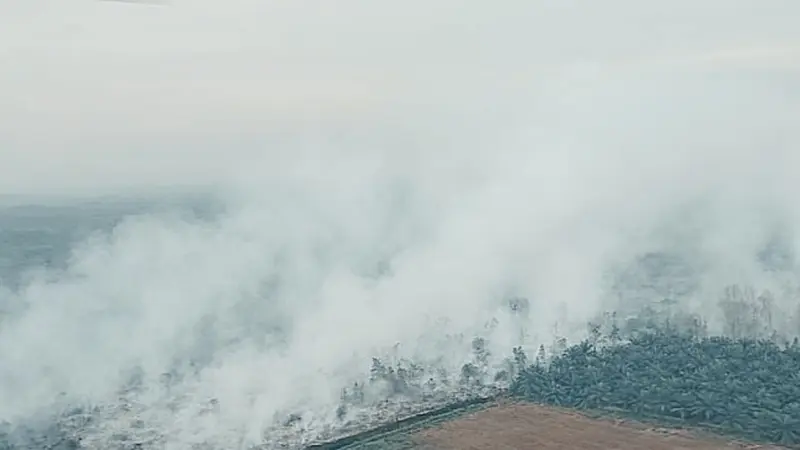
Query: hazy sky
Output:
(97,94)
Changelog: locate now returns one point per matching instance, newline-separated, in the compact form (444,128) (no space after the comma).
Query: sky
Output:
(476,149)
(101,95)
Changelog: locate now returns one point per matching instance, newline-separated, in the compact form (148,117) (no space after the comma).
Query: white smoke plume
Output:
(383,168)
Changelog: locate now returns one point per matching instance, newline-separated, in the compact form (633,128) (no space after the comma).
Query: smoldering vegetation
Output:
(659,293)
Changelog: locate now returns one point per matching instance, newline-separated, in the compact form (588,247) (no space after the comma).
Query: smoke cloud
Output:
(390,174)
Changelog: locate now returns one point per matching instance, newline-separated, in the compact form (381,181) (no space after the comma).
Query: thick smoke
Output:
(409,221)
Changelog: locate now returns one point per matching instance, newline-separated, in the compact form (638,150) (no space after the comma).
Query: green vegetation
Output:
(659,366)
(662,366)
(744,387)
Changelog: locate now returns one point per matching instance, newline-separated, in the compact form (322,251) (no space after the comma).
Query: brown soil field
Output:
(521,426)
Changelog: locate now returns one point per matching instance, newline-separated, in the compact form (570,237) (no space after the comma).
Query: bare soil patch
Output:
(522,426)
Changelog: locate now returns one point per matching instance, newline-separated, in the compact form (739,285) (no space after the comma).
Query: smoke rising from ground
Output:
(381,171)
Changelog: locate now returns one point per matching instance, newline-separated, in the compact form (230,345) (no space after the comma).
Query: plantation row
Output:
(745,387)
(659,367)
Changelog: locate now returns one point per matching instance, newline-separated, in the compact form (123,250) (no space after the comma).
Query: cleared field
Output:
(522,426)
(505,424)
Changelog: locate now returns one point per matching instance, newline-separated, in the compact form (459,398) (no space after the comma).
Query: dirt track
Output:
(525,426)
